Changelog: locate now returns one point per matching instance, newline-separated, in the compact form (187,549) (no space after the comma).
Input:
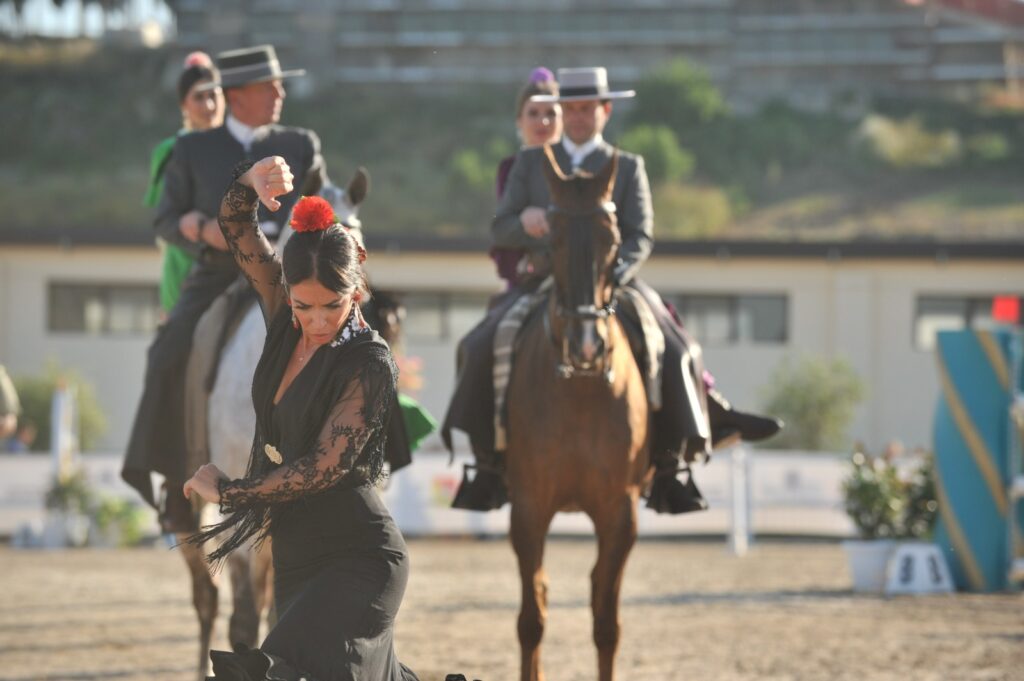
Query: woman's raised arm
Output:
(263,181)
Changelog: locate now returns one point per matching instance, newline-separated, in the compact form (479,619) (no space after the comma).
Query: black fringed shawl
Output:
(365,358)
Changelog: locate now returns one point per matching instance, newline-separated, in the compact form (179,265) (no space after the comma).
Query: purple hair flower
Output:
(541,75)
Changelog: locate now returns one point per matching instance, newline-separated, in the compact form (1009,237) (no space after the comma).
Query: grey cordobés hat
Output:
(251,65)
(579,84)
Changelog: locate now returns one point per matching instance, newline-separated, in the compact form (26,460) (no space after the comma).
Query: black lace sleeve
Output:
(350,442)
(250,247)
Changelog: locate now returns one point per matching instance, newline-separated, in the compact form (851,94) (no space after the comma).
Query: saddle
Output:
(215,328)
(637,320)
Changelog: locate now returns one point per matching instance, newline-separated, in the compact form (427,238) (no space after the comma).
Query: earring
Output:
(295,322)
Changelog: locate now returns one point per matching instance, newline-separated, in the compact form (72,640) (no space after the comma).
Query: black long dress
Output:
(341,564)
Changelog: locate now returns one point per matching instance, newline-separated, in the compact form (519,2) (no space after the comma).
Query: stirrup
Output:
(484,492)
(670,495)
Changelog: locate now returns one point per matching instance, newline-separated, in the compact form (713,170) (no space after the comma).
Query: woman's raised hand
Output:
(270,177)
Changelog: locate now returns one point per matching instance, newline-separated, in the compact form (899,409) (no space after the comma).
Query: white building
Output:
(91,305)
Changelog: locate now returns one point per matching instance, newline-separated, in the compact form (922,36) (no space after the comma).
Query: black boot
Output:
(486,491)
(175,512)
(670,495)
(250,665)
(728,423)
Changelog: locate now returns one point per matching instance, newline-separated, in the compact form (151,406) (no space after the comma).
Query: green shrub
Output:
(121,518)
(475,169)
(115,517)
(665,160)
(989,147)
(72,495)
(686,212)
(36,395)
(908,143)
(816,398)
(887,502)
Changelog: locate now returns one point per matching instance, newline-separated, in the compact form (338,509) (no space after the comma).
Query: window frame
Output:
(105,290)
(734,304)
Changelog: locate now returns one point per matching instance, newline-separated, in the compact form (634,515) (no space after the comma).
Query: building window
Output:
(103,309)
(949,313)
(441,316)
(729,319)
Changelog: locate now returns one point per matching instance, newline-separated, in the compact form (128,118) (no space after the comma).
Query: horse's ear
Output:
(358,187)
(605,178)
(552,172)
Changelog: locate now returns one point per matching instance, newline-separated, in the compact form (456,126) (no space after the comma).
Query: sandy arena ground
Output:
(690,611)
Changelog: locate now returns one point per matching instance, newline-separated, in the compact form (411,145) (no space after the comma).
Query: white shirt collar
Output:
(240,131)
(578,152)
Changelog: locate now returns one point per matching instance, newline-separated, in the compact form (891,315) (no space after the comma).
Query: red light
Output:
(1006,309)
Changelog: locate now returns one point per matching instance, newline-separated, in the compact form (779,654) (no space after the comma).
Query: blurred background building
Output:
(805,52)
(95,306)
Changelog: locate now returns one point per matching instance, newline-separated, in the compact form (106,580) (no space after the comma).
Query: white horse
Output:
(220,423)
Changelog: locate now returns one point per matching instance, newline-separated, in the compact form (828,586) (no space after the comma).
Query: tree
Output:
(679,95)
(36,395)
(666,161)
(816,398)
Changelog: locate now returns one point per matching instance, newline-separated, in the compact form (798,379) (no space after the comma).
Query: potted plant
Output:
(890,499)
(69,502)
(79,516)
(116,523)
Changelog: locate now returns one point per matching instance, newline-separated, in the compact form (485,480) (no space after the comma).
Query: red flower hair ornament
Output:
(315,214)
(312,214)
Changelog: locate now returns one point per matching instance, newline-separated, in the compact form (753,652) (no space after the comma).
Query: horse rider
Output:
(197,172)
(693,417)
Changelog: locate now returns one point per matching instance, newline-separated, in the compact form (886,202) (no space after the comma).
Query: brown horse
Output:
(578,418)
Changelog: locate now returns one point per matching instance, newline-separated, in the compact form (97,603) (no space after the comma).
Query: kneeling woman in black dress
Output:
(322,393)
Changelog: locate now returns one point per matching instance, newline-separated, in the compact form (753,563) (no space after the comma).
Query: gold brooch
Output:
(272,453)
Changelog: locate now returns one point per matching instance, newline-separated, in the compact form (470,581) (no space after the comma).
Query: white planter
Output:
(63,530)
(868,560)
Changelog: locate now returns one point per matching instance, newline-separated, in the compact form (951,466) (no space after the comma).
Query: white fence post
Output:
(63,432)
(740,535)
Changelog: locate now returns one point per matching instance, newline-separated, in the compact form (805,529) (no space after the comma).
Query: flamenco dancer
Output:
(323,391)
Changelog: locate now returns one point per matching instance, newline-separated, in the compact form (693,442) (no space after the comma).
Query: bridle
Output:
(566,368)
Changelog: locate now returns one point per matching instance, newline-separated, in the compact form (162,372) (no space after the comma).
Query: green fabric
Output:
(157,162)
(418,421)
(177,262)
(176,266)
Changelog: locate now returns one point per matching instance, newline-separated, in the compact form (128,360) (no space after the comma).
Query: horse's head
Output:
(585,241)
(385,312)
(346,201)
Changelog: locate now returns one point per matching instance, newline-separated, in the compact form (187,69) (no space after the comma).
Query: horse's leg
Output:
(244,625)
(263,582)
(204,597)
(615,525)
(529,527)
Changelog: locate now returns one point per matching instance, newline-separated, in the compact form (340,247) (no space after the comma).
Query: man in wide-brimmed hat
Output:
(692,416)
(197,173)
